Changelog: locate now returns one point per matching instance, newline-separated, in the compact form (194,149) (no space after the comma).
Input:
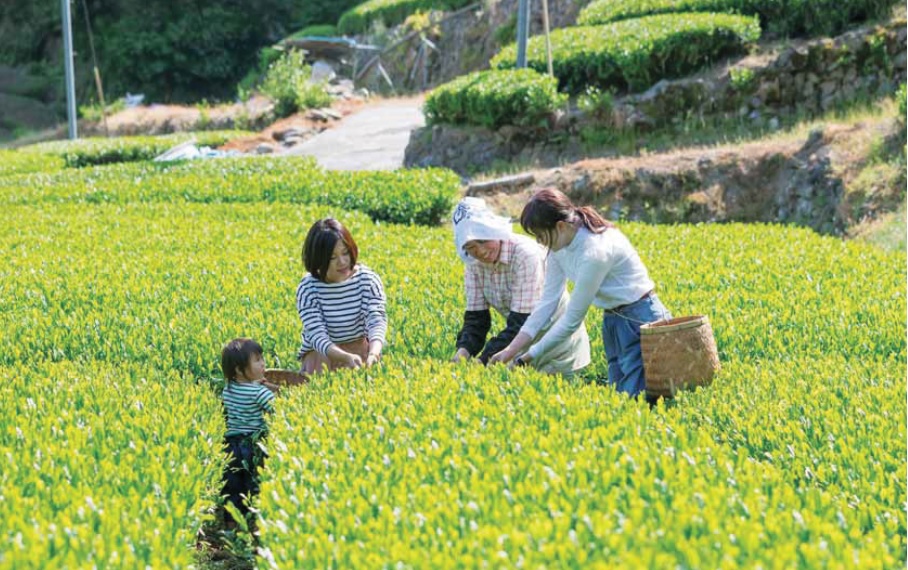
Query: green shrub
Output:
(94,151)
(634,54)
(174,51)
(108,479)
(26,161)
(597,103)
(419,196)
(390,12)
(318,30)
(413,459)
(785,18)
(494,98)
(93,112)
(287,84)
(314,12)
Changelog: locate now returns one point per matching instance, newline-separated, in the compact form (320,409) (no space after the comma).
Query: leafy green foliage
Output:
(178,52)
(405,465)
(94,151)
(315,12)
(902,98)
(121,283)
(390,12)
(25,161)
(94,112)
(494,98)
(402,196)
(326,30)
(597,103)
(287,84)
(790,17)
(105,465)
(634,54)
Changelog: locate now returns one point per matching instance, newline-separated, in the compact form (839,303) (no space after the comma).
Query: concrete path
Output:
(373,138)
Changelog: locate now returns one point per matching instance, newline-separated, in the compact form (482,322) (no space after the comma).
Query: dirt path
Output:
(373,138)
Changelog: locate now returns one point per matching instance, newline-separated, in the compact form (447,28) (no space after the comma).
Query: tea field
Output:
(122,282)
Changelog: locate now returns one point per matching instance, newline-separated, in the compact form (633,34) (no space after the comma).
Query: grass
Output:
(720,131)
(887,232)
(705,132)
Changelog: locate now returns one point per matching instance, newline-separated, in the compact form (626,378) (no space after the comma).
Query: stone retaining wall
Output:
(805,77)
(808,77)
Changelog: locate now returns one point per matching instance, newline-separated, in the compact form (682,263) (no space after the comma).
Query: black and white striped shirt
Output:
(335,313)
(244,405)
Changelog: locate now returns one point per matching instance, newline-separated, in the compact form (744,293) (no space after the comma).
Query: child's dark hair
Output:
(549,206)
(319,246)
(236,356)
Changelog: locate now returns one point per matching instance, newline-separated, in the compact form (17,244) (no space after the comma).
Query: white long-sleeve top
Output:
(607,272)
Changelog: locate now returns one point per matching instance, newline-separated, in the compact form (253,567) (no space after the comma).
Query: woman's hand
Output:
(522,360)
(352,361)
(503,356)
(344,358)
(521,341)
(462,355)
(374,354)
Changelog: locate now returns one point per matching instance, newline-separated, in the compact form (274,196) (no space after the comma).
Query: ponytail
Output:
(592,220)
(549,206)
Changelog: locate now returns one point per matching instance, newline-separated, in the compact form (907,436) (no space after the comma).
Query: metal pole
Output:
(548,40)
(70,72)
(523,30)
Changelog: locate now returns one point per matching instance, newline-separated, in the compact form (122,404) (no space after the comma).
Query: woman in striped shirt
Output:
(341,303)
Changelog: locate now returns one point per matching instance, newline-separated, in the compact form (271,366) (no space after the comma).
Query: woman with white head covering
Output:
(505,271)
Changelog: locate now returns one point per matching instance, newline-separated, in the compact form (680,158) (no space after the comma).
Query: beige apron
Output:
(567,357)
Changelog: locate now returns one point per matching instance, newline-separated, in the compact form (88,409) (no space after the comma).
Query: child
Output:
(340,302)
(245,401)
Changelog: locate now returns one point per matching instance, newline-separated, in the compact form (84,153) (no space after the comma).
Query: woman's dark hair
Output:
(549,206)
(236,356)
(319,246)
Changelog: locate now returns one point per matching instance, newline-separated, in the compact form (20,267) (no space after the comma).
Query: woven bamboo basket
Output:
(285,377)
(678,354)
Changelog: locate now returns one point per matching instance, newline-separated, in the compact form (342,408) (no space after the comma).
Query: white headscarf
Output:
(474,220)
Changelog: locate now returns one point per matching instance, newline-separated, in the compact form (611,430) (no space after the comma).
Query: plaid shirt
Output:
(513,283)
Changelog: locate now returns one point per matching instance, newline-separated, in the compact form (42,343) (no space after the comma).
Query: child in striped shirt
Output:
(340,302)
(246,400)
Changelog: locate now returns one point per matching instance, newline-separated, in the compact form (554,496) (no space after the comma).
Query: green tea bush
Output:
(109,259)
(25,161)
(634,54)
(403,466)
(390,12)
(122,283)
(287,84)
(417,196)
(105,465)
(94,151)
(494,98)
(323,30)
(314,12)
(785,18)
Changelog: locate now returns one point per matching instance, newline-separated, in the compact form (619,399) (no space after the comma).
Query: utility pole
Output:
(523,32)
(548,40)
(70,72)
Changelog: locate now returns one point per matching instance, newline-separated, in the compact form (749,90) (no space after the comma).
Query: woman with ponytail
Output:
(606,271)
